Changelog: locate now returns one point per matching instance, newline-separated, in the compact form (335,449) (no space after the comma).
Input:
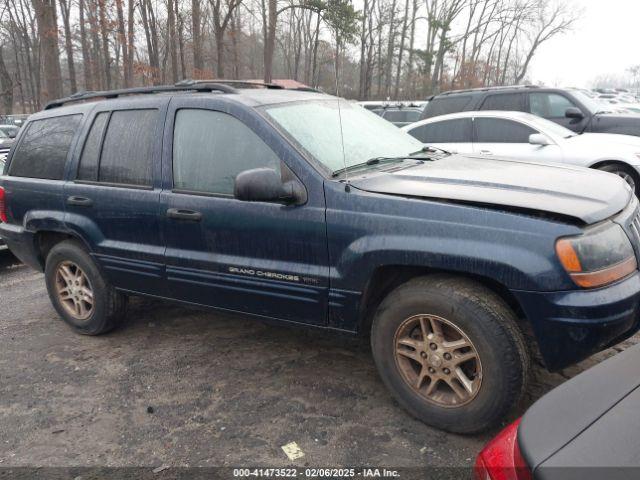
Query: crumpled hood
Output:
(587,195)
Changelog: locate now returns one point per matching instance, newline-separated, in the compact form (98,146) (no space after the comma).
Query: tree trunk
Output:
(86,59)
(197,38)
(104,34)
(65,8)
(48,34)
(6,87)
(122,38)
(128,66)
(270,44)
(172,46)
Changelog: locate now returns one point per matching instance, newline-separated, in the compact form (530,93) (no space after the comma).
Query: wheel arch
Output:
(388,277)
(45,240)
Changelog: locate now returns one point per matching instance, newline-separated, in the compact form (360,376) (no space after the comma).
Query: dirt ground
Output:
(178,386)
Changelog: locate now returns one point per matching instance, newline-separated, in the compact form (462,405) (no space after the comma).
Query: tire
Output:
(626,173)
(103,310)
(480,318)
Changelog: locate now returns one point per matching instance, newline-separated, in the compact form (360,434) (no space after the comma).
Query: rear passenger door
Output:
(261,258)
(112,200)
(452,135)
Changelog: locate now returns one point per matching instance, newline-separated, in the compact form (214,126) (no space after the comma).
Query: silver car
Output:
(523,136)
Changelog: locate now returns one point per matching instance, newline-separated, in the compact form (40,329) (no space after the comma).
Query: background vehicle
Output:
(399,114)
(570,108)
(587,428)
(522,136)
(10,130)
(6,143)
(248,200)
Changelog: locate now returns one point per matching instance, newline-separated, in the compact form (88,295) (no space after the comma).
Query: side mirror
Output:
(539,139)
(266,185)
(574,112)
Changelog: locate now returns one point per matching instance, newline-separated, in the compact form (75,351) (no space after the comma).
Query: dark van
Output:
(295,207)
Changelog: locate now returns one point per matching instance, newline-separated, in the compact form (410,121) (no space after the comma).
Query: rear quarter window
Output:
(42,152)
(447,104)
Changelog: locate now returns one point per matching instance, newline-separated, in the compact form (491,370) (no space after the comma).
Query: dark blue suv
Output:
(295,207)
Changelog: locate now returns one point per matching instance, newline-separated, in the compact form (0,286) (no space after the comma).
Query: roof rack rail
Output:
(488,89)
(179,87)
(252,83)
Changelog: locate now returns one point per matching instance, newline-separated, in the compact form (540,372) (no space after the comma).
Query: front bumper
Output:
(572,325)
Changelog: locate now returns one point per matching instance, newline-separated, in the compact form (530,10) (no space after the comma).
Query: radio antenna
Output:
(344,155)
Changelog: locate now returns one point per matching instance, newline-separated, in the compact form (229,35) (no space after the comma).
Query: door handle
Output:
(180,214)
(486,152)
(79,201)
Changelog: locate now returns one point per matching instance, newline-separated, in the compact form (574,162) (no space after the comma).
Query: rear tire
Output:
(626,173)
(79,292)
(494,374)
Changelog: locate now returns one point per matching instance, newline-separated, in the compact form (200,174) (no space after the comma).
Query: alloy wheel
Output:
(438,360)
(74,290)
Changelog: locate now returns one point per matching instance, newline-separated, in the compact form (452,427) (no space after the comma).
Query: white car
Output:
(522,136)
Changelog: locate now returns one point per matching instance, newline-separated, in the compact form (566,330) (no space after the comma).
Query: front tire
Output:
(79,293)
(450,351)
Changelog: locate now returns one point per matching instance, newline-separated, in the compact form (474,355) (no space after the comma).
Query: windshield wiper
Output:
(371,161)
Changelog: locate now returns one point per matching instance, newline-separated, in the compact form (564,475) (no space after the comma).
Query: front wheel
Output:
(451,353)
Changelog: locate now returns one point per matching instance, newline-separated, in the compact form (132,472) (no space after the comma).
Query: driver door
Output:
(267,259)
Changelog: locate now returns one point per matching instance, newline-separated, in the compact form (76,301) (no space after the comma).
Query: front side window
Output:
(549,105)
(211,148)
(44,148)
(315,127)
(497,130)
(447,131)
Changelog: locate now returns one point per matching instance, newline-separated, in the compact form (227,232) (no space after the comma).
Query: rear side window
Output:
(123,153)
(43,150)
(504,101)
(447,104)
(91,151)
(447,131)
(211,148)
(496,130)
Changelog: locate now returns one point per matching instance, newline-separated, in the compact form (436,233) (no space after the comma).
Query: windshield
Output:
(315,127)
(592,105)
(3,134)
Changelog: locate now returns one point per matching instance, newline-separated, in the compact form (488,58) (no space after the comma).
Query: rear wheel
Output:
(79,293)
(451,352)
(626,173)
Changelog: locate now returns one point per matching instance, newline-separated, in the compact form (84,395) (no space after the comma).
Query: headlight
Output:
(598,257)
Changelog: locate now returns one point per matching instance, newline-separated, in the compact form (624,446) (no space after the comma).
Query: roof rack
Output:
(194,87)
(251,83)
(488,89)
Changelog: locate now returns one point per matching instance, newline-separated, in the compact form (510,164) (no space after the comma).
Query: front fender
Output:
(367,231)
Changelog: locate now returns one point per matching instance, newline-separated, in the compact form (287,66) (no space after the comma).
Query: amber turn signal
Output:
(568,256)
(606,275)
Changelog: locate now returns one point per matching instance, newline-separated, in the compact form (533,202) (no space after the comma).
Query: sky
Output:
(603,42)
